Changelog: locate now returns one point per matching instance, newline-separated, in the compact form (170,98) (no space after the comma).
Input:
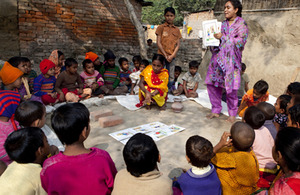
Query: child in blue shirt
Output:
(202,177)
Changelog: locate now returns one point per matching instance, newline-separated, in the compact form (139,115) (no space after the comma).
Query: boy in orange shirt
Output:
(168,41)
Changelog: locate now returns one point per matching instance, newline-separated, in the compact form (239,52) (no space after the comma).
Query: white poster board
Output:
(210,27)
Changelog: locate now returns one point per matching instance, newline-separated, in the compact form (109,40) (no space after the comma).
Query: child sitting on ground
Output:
(111,76)
(191,80)
(9,101)
(244,83)
(154,84)
(237,165)
(141,175)
(269,112)
(177,87)
(28,148)
(33,114)
(125,72)
(95,59)
(30,75)
(69,83)
(91,78)
(44,84)
(202,177)
(293,89)
(262,146)
(294,101)
(281,117)
(258,94)
(21,64)
(11,77)
(286,154)
(135,78)
(136,60)
(294,116)
(77,170)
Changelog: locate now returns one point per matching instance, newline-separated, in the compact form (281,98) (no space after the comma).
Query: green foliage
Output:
(155,14)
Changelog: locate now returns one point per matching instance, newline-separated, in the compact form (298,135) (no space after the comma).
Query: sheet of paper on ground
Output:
(156,130)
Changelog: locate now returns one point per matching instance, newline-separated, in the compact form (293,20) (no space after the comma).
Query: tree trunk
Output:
(138,27)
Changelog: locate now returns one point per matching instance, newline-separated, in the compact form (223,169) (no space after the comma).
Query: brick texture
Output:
(110,121)
(75,27)
(95,115)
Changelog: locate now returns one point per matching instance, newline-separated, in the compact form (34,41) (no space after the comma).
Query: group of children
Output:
(60,81)
(254,157)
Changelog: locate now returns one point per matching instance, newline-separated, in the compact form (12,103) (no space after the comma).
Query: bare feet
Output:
(212,115)
(231,119)
(100,96)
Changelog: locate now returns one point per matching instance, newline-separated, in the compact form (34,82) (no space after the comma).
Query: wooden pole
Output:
(138,27)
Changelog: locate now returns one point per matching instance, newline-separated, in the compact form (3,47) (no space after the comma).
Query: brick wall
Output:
(75,27)
(9,34)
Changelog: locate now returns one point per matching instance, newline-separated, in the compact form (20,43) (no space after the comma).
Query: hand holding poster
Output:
(211,27)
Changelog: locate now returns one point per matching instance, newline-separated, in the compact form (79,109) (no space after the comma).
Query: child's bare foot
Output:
(148,107)
(163,107)
(231,119)
(212,115)
(100,96)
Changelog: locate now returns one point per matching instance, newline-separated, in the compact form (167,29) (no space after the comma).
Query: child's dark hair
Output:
(21,145)
(294,88)
(140,154)
(159,57)
(59,53)
(70,61)
(15,61)
(145,62)
(261,87)
(194,64)
(178,69)
(296,99)
(169,9)
(254,117)
(69,120)
(237,4)
(137,58)
(25,59)
(109,55)
(199,150)
(284,100)
(121,60)
(28,112)
(242,136)
(243,67)
(268,110)
(85,62)
(287,142)
(294,112)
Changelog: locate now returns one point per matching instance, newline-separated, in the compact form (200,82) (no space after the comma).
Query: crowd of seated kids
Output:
(247,160)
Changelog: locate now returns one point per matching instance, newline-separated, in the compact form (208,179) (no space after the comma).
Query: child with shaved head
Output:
(269,111)
(235,162)
(262,146)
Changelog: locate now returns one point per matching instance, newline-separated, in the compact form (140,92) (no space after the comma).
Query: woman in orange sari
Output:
(154,84)
(58,58)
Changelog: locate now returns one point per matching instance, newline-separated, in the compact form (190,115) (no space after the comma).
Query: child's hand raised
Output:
(224,141)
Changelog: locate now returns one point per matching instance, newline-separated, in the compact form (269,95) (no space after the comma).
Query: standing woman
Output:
(225,65)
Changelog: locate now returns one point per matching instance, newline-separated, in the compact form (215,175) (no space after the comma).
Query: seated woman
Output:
(154,83)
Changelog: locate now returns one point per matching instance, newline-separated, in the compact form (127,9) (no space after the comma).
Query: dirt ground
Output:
(172,148)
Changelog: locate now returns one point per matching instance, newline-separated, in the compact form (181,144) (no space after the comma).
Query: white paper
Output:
(209,29)
(156,130)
